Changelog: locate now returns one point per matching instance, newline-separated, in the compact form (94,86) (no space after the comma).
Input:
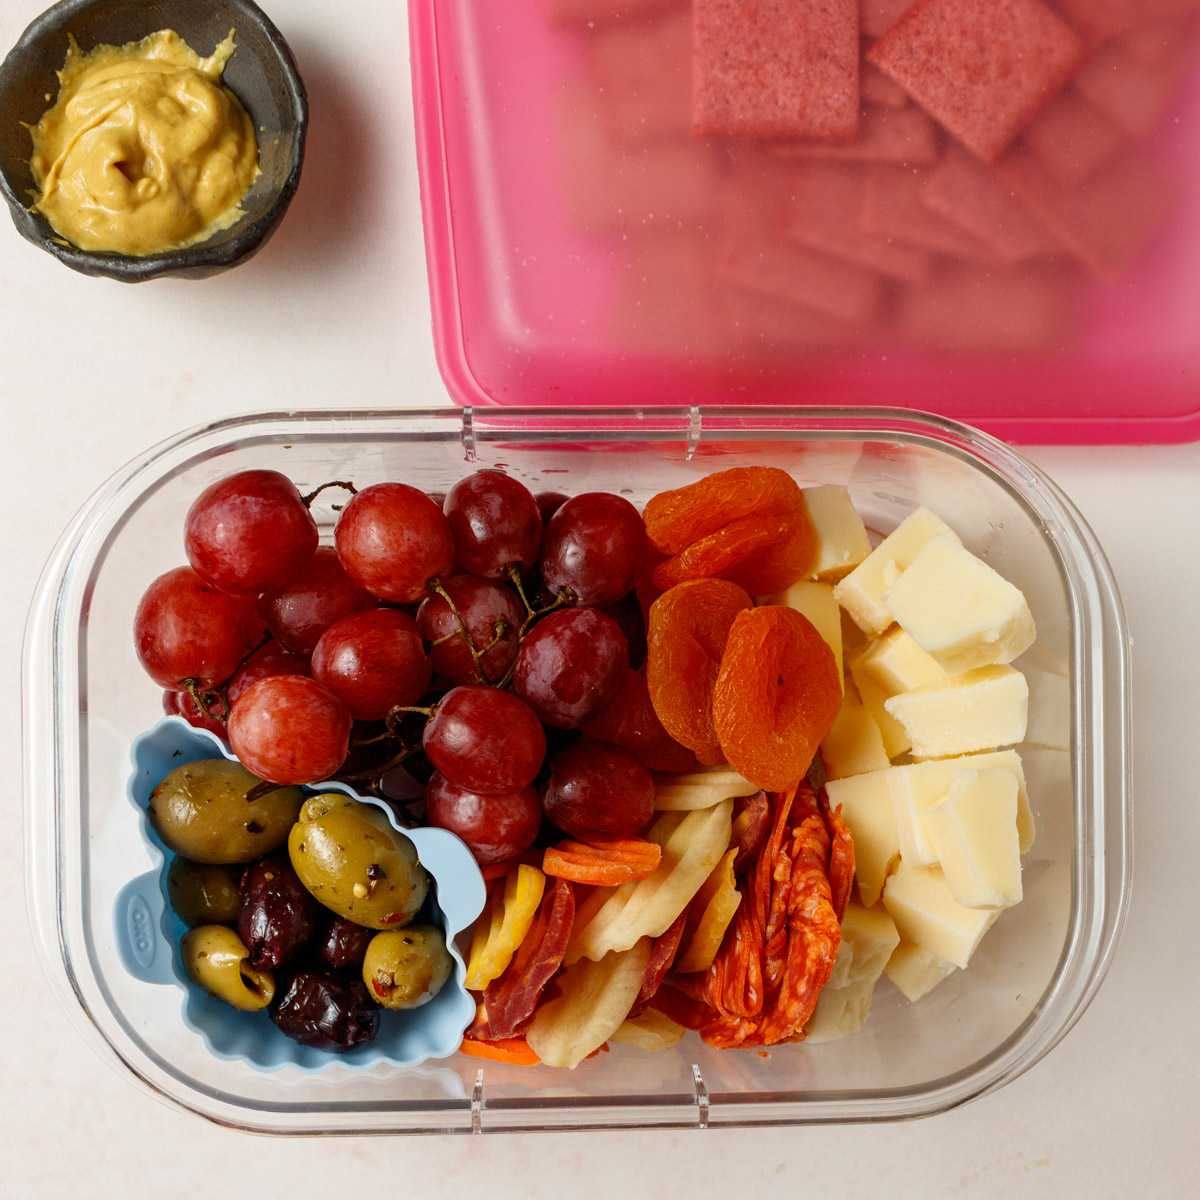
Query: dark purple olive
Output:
(277,913)
(317,1010)
(342,944)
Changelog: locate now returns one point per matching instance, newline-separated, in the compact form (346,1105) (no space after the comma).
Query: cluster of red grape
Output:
(469,640)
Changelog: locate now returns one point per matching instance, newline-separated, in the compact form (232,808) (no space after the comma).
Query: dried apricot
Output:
(686,639)
(763,553)
(631,722)
(676,519)
(776,696)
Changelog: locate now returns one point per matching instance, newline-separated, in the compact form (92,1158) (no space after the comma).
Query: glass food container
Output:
(86,699)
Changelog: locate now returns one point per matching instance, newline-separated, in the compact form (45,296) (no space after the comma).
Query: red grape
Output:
(373,661)
(571,665)
(484,605)
(186,629)
(262,664)
(181,704)
(496,524)
(598,792)
(249,532)
(548,504)
(595,545)
(290,729)
(392,540)
(495,826)
(299,612)
(485,740)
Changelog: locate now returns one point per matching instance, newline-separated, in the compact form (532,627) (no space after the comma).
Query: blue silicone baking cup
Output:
(148,933)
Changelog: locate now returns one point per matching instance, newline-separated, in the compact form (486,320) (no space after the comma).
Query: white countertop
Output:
(335,313)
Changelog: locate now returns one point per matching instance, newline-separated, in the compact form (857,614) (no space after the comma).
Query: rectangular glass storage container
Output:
(86,698)
(583,248)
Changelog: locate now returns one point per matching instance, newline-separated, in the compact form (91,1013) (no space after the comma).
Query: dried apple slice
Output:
(593,1000)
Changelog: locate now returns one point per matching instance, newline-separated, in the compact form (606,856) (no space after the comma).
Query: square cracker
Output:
(775,68)
(982,68)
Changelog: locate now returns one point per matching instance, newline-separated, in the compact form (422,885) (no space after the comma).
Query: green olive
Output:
(203,893)
(352,860)
(406,968)
(217,959)
(200,811)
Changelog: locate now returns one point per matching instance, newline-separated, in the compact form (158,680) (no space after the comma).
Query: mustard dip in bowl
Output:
(95,175)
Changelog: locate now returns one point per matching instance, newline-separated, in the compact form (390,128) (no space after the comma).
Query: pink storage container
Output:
(584,250)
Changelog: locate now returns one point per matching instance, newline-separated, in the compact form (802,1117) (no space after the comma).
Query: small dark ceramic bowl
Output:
(262,73)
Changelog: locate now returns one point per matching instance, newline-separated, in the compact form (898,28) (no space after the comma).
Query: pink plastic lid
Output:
(584,249)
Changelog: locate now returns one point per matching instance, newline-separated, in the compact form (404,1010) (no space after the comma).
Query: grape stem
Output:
(260,789)
(342,483)
(204,697)
(435,585)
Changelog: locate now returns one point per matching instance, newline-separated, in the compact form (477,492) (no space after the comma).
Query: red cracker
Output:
(642,72)
(1132,81)
(1072,137)
(991,312)
(612,187)
(783,270)
(876,88)
(822,209)
(894,207)
(982,68)
(972,195)
(1100,19)
(1105,222)
(895,135)
(775,68)
(876,17)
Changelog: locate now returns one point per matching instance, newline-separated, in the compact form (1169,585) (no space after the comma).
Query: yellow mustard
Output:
(145,150)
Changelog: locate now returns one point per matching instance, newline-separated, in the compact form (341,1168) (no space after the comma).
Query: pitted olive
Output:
(200,811)
(405,968)
(355,863)
(203,893)
(217,959)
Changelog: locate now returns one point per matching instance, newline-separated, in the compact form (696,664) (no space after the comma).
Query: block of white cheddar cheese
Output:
(839,1011)
(958,609)
(898,664)
(866,805)
(815,601)
(861,592)
(973,828)
(874,697)
(853,745)
(915,971)
(869,936)
(919,900)
(914,786)
(982,709)
(842,541)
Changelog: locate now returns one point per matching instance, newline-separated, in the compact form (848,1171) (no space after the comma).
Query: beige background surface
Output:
(335,312)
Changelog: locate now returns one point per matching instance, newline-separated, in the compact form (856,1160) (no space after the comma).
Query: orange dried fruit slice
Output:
(776,696)
(677,518)
(763,553)
(685,642)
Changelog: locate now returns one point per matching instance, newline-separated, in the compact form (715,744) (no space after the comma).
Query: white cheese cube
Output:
(839,1011)
(898,664)
(958,609)
(866,805)
(973,828)
(915,786)
(868,938)
(861,592)
(874,697)
(981,709)
(815,601)
(853,745)
(1049,709)
(915,971)
(919,900)
(842,539)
